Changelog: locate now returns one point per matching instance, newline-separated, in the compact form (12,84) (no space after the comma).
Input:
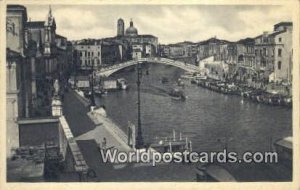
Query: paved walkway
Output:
(84,128)
(75,114)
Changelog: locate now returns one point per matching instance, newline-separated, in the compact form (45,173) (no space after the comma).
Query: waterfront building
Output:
(113,51)
(164,50)
(283,52)
(264,55)
(176,51)
(241,60)
(101,52)
(137,51)
(132,37)
(89,54)
(273,53)
(183,51)
(213,47)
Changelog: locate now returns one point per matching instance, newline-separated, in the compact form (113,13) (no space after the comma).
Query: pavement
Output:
(84,128)
(88,136)
(75,112)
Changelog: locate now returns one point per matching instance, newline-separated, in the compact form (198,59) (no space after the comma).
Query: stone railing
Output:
(69,148)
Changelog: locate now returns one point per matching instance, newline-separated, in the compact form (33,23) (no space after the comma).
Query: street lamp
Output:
(92,84)
(139,137)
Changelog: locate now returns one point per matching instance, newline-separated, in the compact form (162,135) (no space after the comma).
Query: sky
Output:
(170,23)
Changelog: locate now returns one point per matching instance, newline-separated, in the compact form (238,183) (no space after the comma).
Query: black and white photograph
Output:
(148,92)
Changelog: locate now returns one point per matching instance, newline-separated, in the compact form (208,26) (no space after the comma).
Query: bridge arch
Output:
(107,71)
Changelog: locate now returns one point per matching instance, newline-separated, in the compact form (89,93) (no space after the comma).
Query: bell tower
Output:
(120,26)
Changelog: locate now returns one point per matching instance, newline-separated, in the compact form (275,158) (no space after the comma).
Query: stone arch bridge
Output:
(107,71)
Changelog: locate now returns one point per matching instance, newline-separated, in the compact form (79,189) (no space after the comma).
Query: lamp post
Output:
(92,84)
(139,137)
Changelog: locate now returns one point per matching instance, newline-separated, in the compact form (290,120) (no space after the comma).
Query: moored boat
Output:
(122,84)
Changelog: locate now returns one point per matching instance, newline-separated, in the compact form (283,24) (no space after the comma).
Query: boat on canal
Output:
(122,83)
(177,94)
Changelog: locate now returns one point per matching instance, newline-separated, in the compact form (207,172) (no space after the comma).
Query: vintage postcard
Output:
(150,91)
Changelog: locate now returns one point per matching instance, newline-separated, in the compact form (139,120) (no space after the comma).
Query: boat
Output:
(284,148)
(87,93)
(276,100)
(110,85)
(287,101)
(177,94)
(200,77)
(180,83)
(187,76)
(122,83)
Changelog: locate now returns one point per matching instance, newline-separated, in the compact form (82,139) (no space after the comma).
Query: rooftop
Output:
(59,36)
(283,24)
(246,41)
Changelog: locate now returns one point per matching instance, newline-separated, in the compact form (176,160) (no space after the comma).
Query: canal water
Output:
(211,120)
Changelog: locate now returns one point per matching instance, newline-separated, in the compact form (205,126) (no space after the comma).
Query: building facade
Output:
(283,52)
(273,53)
(133,38)
(213,47)
(17,91)
(88,55)
(31,64)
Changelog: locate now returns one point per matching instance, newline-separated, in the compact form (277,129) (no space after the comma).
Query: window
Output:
(279,65)
(240,58)
(279,39)
(264,51)
(279,52)
(80,54)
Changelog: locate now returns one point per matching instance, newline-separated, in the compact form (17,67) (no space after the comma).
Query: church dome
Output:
(131,30)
